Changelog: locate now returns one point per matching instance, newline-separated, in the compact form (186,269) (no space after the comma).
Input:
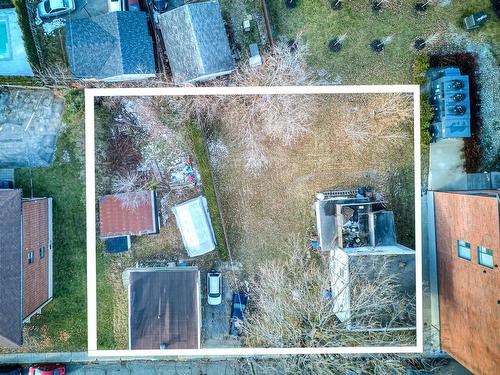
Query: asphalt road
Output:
(157,368)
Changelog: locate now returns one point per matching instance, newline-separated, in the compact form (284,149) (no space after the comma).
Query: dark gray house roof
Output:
(110,45)
(164,308)
(10,268)
(196,42)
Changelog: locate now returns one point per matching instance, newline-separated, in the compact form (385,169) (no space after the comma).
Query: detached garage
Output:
(193,221)
(164,308)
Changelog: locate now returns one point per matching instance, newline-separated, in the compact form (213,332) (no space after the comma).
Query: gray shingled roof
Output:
(109,45)
(10,268)
(196,41)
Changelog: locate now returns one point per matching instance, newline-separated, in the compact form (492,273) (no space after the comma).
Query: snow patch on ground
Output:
(50,27)
(217,152)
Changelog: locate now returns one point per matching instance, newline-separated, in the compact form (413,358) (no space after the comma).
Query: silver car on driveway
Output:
(214,288)
(55,8)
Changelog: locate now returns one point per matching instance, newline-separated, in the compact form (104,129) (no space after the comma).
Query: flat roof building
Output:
(359,237)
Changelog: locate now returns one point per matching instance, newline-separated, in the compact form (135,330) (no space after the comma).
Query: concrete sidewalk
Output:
(228,367)
(446,165)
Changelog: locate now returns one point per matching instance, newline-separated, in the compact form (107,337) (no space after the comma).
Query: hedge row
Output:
(19,81)
(420,68)
(200,150)
(29,42)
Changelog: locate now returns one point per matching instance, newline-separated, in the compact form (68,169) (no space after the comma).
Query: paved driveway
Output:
(89,8)
(215,328)
(157,368)
(84,9)
(447,165)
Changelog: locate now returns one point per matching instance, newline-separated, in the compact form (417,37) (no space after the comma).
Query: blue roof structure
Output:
(451,104)
(117,244)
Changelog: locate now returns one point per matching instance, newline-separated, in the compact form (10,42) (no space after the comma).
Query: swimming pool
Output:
(5,50)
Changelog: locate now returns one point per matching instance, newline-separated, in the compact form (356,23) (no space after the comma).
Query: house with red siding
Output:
(26,262)
(467,253)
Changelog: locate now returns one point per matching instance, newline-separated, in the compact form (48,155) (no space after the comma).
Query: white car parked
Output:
(54,8)
(115,5)
(214,288)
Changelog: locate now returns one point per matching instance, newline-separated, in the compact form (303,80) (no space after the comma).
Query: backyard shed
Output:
(193,221)
(196,42)
(164,308)
(119,217)
(117,244)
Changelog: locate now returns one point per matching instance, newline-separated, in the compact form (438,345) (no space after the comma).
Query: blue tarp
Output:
(117,244)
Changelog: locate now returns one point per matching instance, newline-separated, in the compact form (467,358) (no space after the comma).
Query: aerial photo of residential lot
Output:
(230,195)
(250,222)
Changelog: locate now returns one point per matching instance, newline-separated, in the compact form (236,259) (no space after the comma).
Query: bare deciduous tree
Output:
(254,120)
(130,189)
(369,364)
(290,309)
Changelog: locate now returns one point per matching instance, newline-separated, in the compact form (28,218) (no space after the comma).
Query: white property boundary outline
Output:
(90,94)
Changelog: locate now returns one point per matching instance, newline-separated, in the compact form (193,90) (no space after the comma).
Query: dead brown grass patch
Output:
(354,140)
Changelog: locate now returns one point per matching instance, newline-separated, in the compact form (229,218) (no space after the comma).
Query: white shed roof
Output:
(194,223)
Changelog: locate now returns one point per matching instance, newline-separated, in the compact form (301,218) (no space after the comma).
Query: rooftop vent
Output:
(457,84)
(459,110)
(458,97)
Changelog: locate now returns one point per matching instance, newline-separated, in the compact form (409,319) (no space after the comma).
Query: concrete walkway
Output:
(446,165)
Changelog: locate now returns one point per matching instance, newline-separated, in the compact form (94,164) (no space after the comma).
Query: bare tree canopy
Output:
(259,119)
(291,306)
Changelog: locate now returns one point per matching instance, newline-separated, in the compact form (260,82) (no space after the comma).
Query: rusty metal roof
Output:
(119,217)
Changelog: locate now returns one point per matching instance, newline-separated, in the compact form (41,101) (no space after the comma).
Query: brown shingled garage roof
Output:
(118,220)
(164,308)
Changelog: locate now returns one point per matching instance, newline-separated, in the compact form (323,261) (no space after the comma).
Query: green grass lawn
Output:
(63,324)
(356,63)
(200,150)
